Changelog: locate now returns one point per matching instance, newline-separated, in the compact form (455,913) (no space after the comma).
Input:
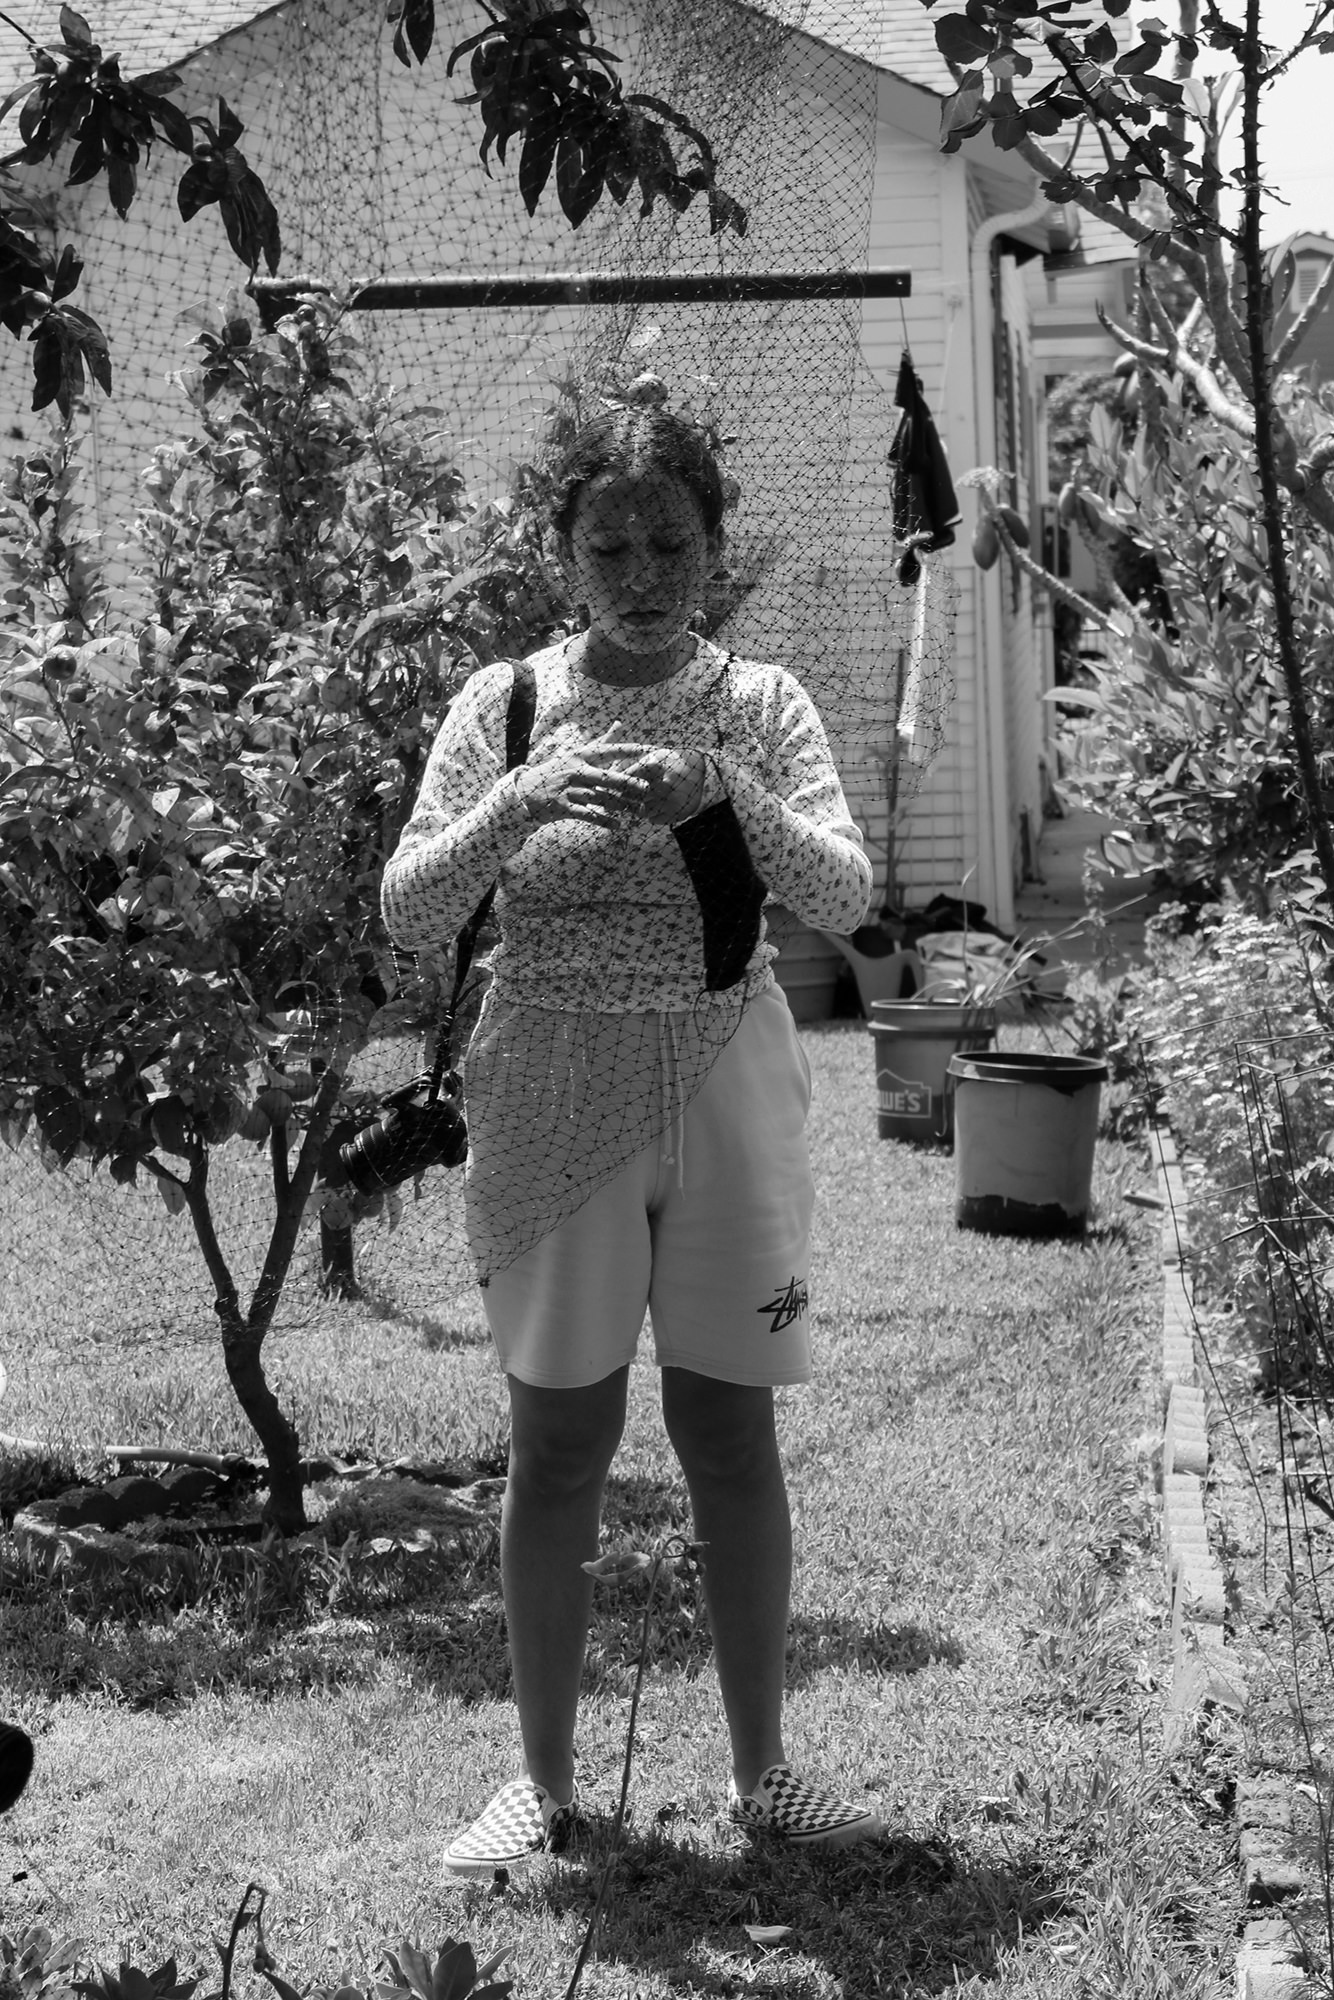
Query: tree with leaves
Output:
(539,77)
(77,101)
(1130,128)
(195,807)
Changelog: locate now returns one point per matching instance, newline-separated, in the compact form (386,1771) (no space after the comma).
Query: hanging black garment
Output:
(925,509)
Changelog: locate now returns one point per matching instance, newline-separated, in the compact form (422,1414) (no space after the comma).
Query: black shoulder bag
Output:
(421,1124)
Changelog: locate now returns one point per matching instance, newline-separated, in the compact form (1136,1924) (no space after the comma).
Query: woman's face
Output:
(638,556)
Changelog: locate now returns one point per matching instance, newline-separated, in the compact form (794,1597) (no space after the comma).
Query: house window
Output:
(1310,270)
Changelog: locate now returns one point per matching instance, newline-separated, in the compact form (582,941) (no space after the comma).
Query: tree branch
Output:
(291,1202)
(1189,262)
(1306,318)
(1227,329)
(1183,65)
(1134,147)
(278,1162)
(225,1302)
(1044,577)
(1314,28)
(1203,380)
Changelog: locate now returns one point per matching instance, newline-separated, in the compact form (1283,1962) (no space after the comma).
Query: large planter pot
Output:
(914,1043)
(807,969)
(1026,1126)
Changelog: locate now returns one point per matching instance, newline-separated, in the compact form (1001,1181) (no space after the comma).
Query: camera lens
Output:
(404,1140)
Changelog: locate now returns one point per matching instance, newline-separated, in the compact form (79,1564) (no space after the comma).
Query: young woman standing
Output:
(636,1093)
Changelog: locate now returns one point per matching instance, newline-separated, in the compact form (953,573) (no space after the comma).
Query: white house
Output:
(829,133)
(1311,254)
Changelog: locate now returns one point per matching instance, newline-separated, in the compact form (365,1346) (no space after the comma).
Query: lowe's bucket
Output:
(1025,1130)
(914,1041)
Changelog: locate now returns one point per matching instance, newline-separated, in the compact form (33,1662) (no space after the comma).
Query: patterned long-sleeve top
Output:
(610,918)
(627,954)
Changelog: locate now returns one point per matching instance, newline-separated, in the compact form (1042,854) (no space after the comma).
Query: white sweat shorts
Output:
(708,1232)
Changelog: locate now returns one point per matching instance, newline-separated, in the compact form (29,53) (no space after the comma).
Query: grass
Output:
(978,1630)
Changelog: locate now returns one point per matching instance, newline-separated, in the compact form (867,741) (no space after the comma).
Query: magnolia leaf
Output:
(963,41)
(172,123)
(75,30)
(172,1193)
(411,1968)
(158,83)
(68,272)
(1073,697)
(962,115)
(455,1972)
(535,162)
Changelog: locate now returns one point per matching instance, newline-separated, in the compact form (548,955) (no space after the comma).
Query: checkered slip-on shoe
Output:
(15,1763)
(520,1821)
(788,1809)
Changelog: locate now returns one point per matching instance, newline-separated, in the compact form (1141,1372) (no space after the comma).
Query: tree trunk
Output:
(241,1347)
(286,1503)
(285,1508)
(337,1264)
(1257,338)
(243,1333)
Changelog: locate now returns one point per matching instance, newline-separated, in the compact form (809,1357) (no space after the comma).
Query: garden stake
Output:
(244,1916)
(616,1567)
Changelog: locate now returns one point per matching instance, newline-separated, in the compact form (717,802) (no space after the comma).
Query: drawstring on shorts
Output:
(673,1144)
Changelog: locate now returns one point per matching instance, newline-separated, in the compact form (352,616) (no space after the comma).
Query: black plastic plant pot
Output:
(1025,1132)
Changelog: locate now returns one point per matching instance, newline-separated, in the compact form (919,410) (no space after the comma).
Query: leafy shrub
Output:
(196,802)
(1189,734)
(1237,1025)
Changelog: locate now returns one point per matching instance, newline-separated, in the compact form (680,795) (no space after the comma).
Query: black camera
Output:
(413,1131)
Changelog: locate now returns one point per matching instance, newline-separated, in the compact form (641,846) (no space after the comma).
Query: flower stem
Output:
(618,1823)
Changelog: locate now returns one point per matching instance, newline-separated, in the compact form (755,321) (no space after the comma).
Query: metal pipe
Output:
(994,866)
(583,288)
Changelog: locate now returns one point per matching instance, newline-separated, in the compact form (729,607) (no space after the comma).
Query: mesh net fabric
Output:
(612,997)
(375,172)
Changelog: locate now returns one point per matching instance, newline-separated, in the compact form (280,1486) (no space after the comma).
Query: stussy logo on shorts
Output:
(789,1305)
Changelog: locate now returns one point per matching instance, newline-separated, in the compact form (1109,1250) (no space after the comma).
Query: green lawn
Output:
(978,1631)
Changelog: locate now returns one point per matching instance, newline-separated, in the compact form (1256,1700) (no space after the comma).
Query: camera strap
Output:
(519,715)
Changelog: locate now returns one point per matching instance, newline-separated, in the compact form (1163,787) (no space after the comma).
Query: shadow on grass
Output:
(298,1618)
(902,1913)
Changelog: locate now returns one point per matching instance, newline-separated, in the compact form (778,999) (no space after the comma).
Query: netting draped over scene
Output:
(792,120)
(374,171)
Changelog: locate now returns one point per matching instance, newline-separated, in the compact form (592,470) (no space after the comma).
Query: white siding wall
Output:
(919,218)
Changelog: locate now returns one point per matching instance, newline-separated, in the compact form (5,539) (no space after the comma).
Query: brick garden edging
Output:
(1269,1964)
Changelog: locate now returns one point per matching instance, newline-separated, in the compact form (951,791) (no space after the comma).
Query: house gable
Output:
(1312,253)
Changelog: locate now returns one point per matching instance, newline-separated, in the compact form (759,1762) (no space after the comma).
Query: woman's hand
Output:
(591,784)
(611,781)
(675,782)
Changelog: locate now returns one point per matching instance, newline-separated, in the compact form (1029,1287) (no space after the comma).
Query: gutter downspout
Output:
(994,871)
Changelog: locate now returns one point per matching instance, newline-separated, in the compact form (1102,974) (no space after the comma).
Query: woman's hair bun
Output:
(646,392)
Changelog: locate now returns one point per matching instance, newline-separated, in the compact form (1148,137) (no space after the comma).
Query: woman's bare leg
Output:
(562,1442)
(724,1436)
